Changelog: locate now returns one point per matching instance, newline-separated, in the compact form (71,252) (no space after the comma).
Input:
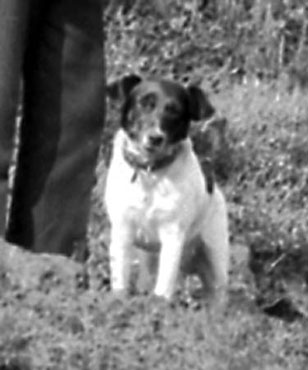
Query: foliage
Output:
(186,39)
(267,190)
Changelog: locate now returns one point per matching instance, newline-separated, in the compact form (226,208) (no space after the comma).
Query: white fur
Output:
(167,208)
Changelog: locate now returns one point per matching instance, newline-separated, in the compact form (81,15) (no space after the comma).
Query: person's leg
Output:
(13,19)
(60,133)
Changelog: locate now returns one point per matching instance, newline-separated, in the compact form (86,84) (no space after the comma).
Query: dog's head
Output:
(156,113)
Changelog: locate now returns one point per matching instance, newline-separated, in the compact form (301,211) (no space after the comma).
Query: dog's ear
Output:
(120,89)
(199,104)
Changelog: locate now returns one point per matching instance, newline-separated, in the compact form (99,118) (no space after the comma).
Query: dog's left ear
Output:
(199,104)
(120,89)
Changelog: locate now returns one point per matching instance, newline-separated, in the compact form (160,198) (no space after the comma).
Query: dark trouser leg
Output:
(60,135)
(13,17)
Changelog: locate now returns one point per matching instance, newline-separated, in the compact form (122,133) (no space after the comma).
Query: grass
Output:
(63,326)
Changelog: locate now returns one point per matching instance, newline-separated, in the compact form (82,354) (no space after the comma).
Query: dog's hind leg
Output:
(213,264)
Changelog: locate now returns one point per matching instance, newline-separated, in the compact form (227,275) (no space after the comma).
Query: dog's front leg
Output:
(120,257)
(172,242)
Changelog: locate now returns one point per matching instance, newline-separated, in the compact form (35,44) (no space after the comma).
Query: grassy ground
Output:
(56,314)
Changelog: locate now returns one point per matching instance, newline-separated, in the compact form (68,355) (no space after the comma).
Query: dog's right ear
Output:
(200,106)
(120,89)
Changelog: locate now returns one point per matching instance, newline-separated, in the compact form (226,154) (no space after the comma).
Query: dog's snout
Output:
(155,140)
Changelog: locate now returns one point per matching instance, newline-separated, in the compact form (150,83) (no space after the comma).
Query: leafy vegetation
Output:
(217,40)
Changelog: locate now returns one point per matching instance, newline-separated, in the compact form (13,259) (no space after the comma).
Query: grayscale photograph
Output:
(153,185)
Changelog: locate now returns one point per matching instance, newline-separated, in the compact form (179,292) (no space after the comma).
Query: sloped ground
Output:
(48,321)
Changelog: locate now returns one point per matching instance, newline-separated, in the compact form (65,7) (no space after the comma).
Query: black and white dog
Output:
(157,198)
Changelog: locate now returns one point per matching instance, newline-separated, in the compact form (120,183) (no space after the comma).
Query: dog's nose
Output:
(155,139)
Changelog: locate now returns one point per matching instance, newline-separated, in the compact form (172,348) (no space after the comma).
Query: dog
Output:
(157,198)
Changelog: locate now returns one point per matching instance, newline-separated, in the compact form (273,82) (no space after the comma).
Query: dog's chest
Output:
(150,202)
(151,199)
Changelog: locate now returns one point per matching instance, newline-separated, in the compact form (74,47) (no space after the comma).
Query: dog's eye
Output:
(132,133)
(172,109)
(148,101)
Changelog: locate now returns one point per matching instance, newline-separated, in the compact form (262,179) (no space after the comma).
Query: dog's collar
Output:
(150,166)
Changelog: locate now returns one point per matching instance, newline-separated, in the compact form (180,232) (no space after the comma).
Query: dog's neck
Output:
(149,166)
